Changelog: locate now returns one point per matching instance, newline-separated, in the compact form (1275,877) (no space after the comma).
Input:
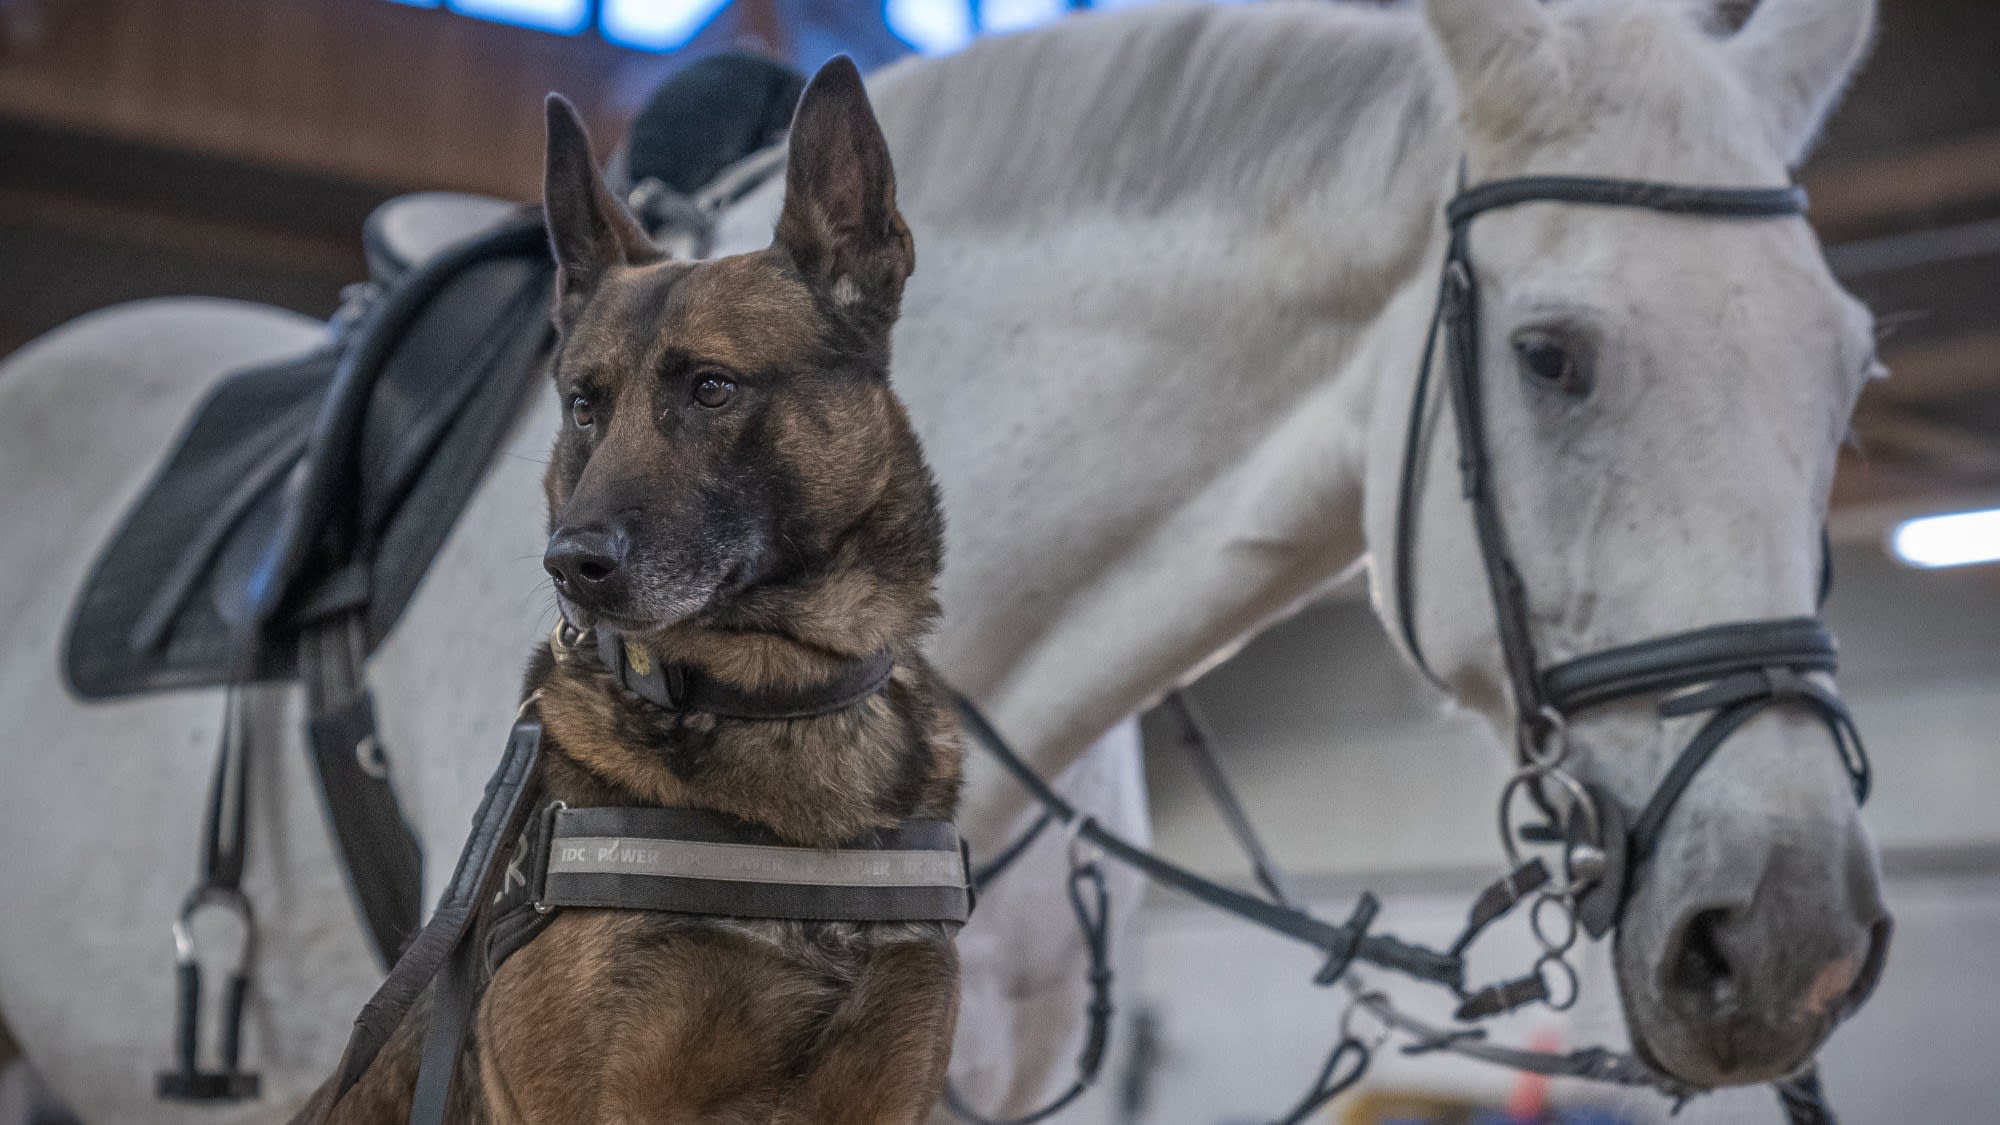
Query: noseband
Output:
(1732,672)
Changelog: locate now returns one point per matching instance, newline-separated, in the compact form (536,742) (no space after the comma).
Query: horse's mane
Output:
(1144,110)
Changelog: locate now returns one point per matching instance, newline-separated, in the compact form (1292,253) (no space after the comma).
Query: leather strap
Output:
(380,853)
(447,937)
(1680,660)
(1339,942)
(691,861)
(682,687)
(1601,191)
(1735,670)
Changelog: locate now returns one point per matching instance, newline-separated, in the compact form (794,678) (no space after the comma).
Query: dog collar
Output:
(681,688)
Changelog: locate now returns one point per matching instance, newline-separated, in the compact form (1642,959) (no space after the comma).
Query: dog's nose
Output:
(585,562)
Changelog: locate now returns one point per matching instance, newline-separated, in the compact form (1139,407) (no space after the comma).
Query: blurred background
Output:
(233,147)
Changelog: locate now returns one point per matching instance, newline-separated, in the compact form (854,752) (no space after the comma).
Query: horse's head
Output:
(1664,397)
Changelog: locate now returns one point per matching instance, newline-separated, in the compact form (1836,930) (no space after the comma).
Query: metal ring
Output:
(1537,752)
(564,647)
(368,755)
(1582,799)
(1568,1001)
(1568,913)
(1366,1001)
(205,897)
(1074,828)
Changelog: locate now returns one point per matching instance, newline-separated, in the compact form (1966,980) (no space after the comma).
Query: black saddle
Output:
(299,510)
(320,487)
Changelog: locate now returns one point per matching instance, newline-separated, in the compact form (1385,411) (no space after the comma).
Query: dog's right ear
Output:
(839,222)
(589,229)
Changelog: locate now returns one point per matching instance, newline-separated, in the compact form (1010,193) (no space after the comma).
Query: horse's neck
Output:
(1143,361)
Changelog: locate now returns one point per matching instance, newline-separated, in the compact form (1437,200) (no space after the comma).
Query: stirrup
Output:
(188,1082)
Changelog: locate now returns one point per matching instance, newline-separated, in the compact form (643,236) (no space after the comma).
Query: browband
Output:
(1674,199)
(682,687)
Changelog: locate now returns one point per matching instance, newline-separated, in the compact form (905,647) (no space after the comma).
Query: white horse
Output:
(1175,267)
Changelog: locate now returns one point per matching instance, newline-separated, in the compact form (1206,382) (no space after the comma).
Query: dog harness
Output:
(528,858)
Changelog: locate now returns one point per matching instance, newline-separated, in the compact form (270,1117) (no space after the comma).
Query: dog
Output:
(736,489)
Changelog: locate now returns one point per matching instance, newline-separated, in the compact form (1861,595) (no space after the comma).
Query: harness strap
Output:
(446,937)
(692,861)
(683,687)
(380,853)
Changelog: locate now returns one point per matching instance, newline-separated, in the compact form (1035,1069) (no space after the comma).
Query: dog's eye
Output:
(713,391)
(579,412)
(1550,359)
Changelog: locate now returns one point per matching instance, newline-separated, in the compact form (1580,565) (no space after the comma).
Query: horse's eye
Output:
(1549,359)
(579,412)
(713,391)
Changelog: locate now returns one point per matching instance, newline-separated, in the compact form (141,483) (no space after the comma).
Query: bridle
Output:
(1732,672)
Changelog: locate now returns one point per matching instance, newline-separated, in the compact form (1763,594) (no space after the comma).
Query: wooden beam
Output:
(368,90)
(1879,190)
(1927,372)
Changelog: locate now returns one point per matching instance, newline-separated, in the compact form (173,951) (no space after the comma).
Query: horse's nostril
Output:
(1699,964)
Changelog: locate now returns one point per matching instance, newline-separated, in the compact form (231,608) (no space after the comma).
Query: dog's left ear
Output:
(840,222)
(589,229)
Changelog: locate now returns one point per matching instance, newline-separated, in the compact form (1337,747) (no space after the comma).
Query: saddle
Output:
(300,508)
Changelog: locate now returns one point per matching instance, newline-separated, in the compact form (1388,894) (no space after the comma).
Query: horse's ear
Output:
(840,223)
(1796,57)
(1502,55)
(589,229)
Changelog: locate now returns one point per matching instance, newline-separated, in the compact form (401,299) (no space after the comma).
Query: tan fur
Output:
(747,313)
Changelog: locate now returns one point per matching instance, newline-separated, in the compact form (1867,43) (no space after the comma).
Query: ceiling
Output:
(220,146)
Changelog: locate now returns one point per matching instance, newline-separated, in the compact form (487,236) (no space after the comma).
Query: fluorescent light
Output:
(1018,15)
(564,17)
(931,26)
(1957,539)
(656,25)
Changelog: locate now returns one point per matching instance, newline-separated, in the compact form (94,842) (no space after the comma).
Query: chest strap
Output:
(691,861)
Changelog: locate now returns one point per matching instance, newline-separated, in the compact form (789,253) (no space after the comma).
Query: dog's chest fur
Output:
(776,1019)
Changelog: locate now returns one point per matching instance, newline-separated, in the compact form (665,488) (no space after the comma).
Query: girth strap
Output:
(682,687)
(691,861)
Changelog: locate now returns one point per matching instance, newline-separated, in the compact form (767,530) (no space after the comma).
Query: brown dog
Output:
(737,489)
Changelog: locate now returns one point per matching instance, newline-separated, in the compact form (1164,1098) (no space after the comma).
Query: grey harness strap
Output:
(691,861)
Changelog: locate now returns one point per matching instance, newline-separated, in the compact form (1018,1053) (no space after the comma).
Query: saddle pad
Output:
(202,554)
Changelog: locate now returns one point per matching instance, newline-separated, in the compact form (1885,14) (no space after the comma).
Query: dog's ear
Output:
(840,223)
(589,229)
